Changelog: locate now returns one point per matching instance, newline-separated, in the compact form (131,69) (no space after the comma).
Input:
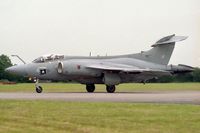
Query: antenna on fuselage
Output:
(90,54)
(19,58)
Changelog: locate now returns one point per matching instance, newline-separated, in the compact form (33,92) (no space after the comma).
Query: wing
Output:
(121,68)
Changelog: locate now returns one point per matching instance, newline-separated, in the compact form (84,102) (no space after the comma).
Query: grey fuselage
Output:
(76,70)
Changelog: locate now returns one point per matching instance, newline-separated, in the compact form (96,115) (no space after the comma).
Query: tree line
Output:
(188,77)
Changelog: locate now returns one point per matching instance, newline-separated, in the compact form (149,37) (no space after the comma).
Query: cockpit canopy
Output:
(47,58)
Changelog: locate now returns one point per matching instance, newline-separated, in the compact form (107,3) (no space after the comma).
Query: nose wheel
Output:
(38,88)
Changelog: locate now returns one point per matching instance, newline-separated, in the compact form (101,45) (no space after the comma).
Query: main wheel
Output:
(110,88)
(38,89)
(90,87)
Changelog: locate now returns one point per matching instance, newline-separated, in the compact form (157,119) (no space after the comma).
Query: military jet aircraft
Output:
(108,70)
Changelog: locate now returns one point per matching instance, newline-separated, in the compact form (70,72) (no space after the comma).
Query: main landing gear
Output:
(110,88)
(38,88)
(91,88)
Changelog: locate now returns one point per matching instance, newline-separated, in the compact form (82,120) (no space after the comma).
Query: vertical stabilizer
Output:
(161,51)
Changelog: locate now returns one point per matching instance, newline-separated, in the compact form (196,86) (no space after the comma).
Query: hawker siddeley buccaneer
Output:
(108,70)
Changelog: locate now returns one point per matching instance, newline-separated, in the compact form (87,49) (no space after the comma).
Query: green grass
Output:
(20,116)
(54,116)
(63,87)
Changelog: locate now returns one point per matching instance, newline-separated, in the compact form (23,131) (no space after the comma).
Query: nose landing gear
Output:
(38,88)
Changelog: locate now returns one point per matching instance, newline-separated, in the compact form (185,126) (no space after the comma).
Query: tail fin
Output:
(161,51)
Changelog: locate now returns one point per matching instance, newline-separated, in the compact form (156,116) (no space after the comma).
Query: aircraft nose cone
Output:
(18,70)
(8,69)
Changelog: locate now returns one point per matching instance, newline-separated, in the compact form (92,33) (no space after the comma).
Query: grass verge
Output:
(53,116)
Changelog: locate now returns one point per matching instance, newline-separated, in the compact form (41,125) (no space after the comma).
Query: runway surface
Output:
(189,97)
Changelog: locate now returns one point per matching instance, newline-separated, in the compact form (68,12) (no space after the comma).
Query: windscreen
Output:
(48,58)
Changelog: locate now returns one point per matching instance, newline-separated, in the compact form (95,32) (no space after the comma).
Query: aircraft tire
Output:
(110,88)
(38,89)
(90,87)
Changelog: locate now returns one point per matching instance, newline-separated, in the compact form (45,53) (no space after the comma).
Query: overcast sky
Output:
(31,28)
